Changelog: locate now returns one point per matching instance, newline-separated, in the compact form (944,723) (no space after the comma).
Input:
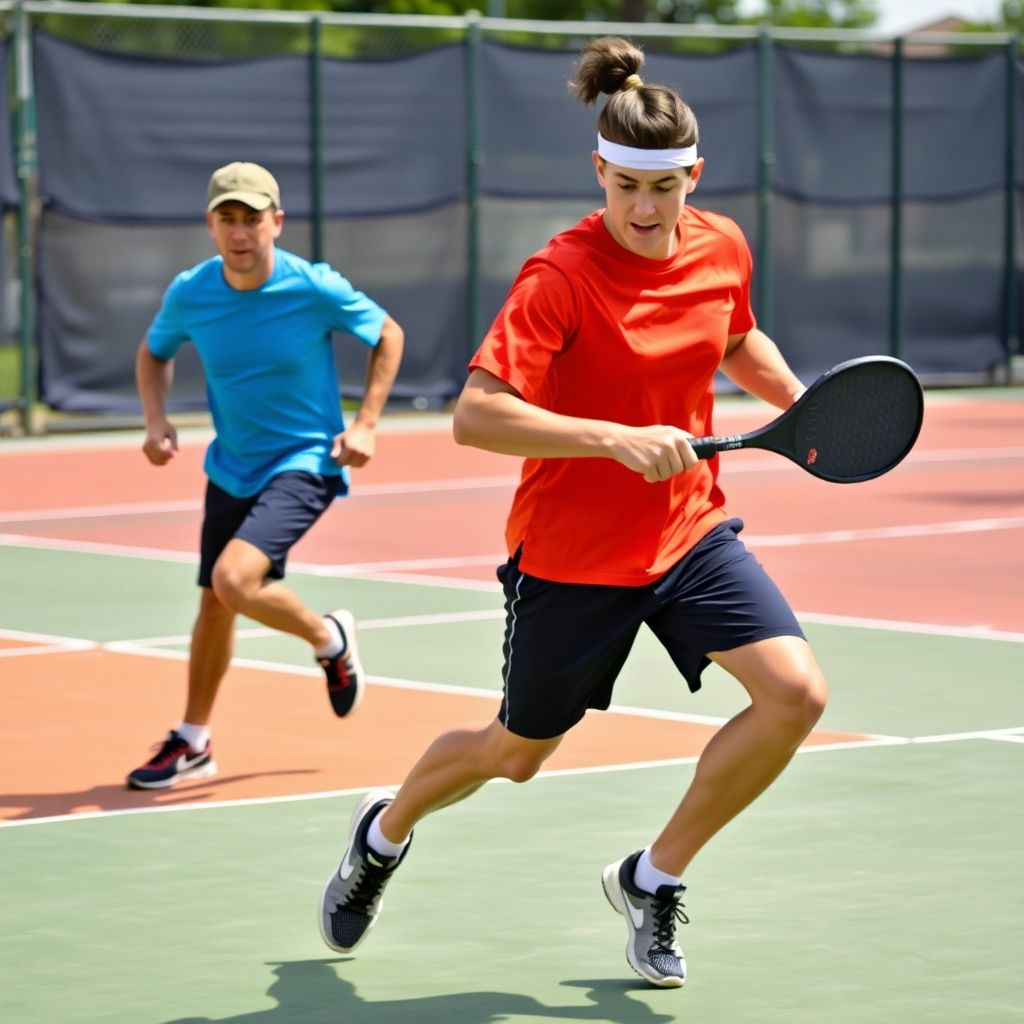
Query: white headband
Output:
(645,159)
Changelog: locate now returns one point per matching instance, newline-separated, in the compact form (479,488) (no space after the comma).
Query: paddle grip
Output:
(705,447)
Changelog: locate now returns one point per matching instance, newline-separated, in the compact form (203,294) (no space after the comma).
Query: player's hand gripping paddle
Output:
(855,422)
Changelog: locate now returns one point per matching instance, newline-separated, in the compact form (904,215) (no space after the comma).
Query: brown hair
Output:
(636,114)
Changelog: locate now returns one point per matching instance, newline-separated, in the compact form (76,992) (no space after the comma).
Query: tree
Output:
(820,13)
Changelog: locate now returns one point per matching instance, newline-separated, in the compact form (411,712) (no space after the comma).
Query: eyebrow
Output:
(636,181)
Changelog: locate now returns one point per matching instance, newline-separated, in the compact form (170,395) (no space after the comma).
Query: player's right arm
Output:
(492,415)
(153,378)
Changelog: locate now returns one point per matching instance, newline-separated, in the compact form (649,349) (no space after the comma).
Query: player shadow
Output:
(314,992)
(117,796)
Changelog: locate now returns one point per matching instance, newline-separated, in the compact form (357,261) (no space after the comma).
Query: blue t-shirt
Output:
(271,380)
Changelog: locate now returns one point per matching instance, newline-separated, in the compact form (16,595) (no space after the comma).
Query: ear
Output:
(598,167)
(695,173)
(278,222)
(209,223)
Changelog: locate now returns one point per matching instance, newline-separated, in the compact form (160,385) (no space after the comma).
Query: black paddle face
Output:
(857,421)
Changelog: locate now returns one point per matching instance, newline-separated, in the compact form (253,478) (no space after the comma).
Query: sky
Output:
(900,15)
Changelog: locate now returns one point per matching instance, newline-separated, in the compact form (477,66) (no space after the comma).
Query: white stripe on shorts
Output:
(511,637)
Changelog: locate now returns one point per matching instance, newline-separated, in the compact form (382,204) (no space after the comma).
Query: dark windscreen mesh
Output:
(127,140)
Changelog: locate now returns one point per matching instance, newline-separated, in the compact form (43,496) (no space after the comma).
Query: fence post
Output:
(763,280)
(27,164)
(474,160)
(1011,336)
(316,139)
(896,201)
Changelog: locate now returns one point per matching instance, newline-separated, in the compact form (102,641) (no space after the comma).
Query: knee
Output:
(231,587)
(520,766)
(815,697)
(794,702)
(807,697)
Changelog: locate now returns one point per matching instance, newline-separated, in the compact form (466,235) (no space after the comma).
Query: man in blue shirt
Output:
(261,320)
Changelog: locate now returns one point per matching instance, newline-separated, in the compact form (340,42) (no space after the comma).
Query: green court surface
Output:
(872,883)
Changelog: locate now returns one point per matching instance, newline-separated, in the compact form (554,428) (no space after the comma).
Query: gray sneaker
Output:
(652,950)
(353,895)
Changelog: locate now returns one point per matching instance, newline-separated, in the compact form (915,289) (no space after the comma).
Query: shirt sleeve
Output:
(167,332)
(536,322)
(348,309)
(742,319)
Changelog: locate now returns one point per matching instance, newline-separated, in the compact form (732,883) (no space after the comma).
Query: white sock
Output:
(647,877)
(196,736)
(379,844)
(333,646)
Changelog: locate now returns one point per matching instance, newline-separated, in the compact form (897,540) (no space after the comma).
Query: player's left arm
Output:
(753,362)
(356,445)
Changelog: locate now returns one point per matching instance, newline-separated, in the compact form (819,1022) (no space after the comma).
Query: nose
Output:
(644,202)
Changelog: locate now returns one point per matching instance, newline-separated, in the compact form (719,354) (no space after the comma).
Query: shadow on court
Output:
(116,796)
(312,992)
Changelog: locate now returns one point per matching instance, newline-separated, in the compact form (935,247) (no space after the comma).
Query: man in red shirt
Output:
(598,370)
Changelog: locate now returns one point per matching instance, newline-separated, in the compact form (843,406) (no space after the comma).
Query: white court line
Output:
(147,508)
(762,462)
(788,540)
(409,565)
(152,644)
(1015,734)
(868,743)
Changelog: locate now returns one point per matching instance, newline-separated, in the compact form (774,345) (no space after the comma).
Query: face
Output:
(245,237)
(643,207)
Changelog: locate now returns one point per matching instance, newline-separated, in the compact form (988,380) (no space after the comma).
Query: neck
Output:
(250,280)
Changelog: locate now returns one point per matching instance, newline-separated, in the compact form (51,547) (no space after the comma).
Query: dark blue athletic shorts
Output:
(565,643)
(273,520)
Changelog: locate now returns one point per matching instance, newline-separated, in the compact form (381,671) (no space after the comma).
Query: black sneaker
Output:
(652,950)
(353,895)
(345,680)
(174,762)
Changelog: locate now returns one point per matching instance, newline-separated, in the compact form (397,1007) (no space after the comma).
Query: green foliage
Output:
(821,13)
(807,13)
(1012,16)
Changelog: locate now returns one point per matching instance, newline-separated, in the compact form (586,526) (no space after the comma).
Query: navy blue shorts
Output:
(273,520)
(565,643)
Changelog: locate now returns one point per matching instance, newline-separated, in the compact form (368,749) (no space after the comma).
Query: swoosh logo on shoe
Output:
(636,915)
(346,869)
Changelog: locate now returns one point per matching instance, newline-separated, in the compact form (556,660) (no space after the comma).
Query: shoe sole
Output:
(374,796)
(613,893)
(347,621)
(203,771)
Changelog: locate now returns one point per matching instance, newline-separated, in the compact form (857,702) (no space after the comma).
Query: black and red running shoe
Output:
(173,762)
(345,679)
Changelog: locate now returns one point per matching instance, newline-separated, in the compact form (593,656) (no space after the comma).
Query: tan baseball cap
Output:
(245,183)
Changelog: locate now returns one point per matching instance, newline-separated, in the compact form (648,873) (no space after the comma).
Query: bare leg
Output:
(457,764)
(788,693)
(213,638)
(239,580)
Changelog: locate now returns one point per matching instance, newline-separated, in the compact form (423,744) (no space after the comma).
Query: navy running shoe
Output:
(344,672)
(353,895)
(652,950)
(174,762)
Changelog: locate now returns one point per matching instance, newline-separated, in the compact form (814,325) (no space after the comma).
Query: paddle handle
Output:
(705,447)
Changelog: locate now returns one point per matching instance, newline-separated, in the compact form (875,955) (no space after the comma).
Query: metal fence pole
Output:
(763,280)
(474,160)
(896,251)
(27,165)
(316,140)
(1011,334)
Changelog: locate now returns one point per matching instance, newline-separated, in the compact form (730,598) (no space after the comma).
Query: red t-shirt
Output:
(593,330)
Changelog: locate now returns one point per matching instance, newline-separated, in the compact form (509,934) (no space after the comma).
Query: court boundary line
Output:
(870,742)
(68,645)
